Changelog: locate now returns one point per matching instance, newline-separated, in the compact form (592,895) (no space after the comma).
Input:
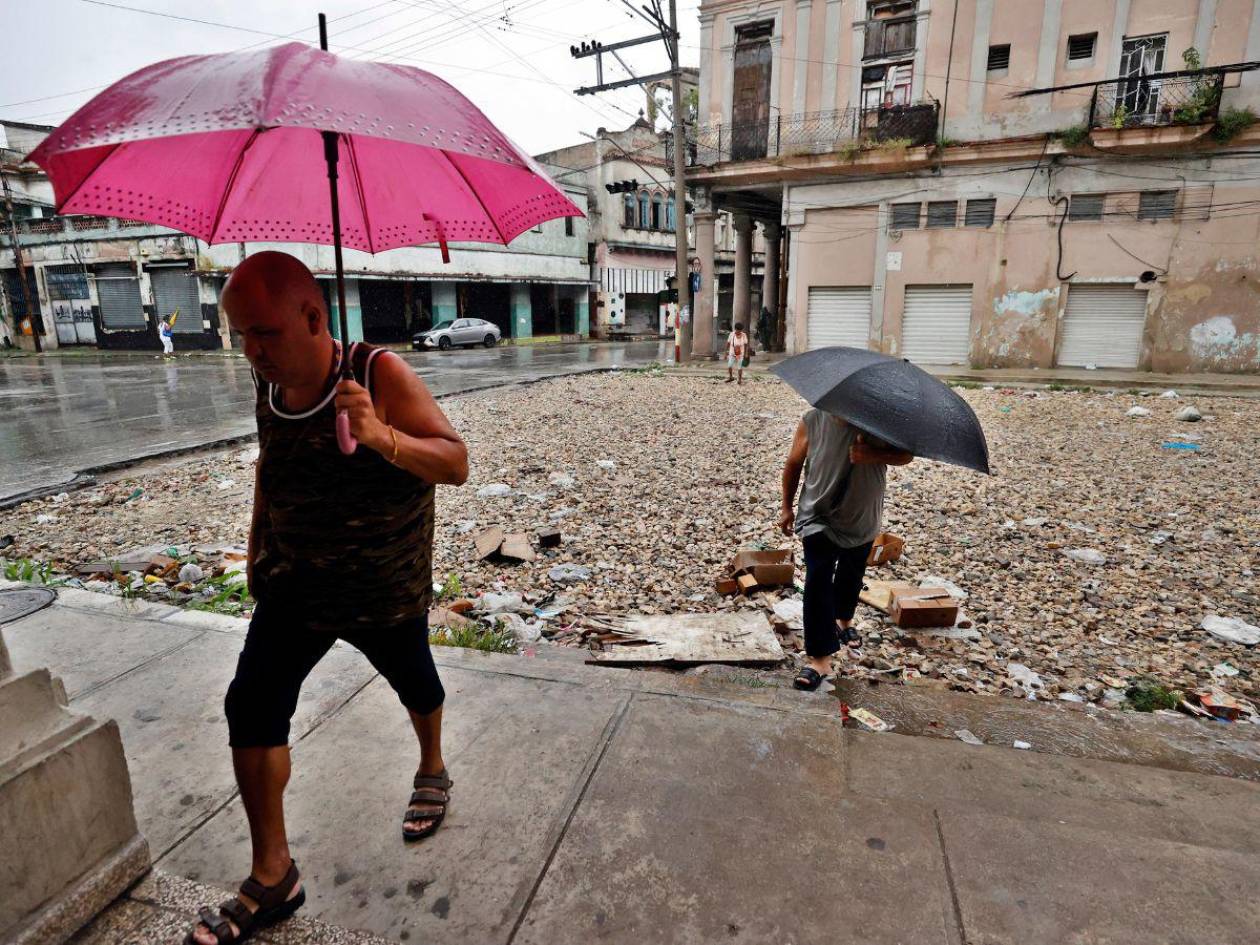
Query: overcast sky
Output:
(510,57)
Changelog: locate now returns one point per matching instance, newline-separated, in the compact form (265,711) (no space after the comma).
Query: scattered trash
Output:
(496,490)
(1224,670)
(931,580)
(869,720)
(464,527)
(1086,555)
(923,607)
(61,497)
(46,519)
(494,544)
(136,493)
(1231,630)
(516,547)
(886,548)
(606,464)
(1024,676)
(1188,414)
(1221,705)
(743,637)
(1170,395)
(967,737)
(753,569)
(1137,412)
(790,613)
(492,602)
(191,573)
(566,573)
(7,541)
(1022,746)
(562,481)
(1190,447)
(226,484)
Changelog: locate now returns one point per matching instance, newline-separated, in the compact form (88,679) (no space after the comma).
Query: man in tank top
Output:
(340,547)
(838,517)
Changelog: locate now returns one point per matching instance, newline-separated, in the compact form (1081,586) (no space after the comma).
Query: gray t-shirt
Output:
(849,515)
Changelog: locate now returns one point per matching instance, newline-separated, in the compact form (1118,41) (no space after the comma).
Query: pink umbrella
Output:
(246,147)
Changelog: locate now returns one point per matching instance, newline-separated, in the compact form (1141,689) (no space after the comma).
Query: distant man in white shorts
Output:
(736,353)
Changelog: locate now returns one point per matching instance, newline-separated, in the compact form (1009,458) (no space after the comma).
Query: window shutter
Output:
(905,216)
(942,213)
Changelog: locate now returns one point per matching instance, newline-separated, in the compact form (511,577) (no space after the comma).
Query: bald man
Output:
(340,548)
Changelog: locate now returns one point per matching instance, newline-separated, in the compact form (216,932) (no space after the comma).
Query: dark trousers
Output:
(833,580)
(280,651)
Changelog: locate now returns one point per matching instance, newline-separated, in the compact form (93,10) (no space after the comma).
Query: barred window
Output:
(1157,204)
(1085,207)
(980,212)
(942,213)
(999,57)
(905,216)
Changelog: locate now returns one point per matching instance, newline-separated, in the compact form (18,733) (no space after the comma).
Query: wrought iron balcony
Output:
(810,133)
(1156,100)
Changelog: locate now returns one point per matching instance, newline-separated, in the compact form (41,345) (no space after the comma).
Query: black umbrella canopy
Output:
(891,399)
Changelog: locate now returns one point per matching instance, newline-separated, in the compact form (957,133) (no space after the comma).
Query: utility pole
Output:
(36,323)
(666,32)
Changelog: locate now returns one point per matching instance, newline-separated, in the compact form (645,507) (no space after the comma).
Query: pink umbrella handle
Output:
(345,439)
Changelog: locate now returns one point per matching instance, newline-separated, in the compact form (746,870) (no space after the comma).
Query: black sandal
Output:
(274,905)
(851,638)
(431,791)
(808,679)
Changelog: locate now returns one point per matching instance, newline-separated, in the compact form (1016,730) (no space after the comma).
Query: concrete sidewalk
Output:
(1219,385)
(621,806)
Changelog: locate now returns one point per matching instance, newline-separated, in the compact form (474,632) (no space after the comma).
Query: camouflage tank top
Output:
(346,541)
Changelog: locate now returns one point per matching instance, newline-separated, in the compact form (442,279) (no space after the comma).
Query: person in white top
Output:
(736,353)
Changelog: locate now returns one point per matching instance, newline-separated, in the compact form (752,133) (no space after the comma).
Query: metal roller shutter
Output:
(839,316)
(936,324)
(118,290)
(174,287)
(1102,325)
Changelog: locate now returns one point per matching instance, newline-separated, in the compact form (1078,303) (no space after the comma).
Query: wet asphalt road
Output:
(62,415)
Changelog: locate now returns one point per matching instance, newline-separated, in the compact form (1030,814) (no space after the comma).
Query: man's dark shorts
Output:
(280,651)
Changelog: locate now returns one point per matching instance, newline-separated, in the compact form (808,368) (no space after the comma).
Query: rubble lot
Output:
(655,480)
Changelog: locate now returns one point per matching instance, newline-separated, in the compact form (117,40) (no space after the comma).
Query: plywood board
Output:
(695,638)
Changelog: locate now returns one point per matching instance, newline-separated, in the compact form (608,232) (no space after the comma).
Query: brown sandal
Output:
(274,905)
(432,791)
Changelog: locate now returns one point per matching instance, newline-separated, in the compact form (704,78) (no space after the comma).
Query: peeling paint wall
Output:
(1203,307)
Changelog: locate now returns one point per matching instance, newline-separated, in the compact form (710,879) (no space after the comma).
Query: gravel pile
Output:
(1090,558)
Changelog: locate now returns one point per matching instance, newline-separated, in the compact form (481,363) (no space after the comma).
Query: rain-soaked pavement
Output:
(60,416)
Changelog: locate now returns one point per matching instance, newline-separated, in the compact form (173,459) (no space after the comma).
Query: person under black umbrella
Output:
(838,516)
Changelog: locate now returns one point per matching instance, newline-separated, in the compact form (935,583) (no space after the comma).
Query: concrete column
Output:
(702,338)
(582,312)
(445,303)
(801,75)
(743,268)
(831,56)
(770,281)
(354,312)
(70,840)
(522,313)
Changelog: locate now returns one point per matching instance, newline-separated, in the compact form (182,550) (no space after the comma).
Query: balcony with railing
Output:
(847,130)
(1158,100)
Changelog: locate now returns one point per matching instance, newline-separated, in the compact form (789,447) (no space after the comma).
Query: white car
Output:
(465,332)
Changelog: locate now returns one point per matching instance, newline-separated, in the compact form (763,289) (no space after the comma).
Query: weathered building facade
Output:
(632,249)
(102,282)
(1025,183)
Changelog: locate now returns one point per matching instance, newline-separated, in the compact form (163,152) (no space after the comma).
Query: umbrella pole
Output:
(345,440)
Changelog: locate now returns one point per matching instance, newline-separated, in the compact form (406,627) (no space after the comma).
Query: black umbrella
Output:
(891,399)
